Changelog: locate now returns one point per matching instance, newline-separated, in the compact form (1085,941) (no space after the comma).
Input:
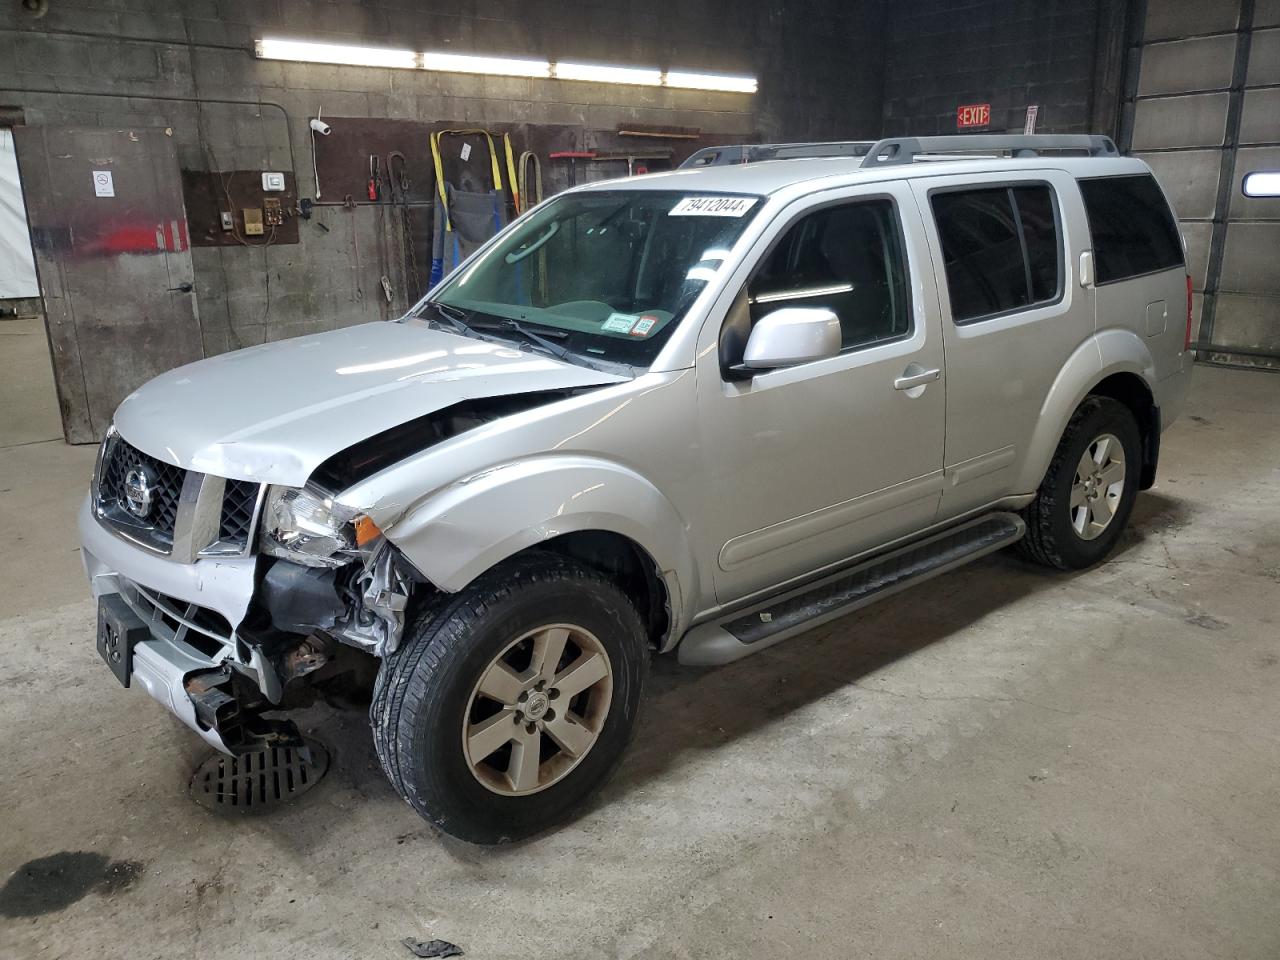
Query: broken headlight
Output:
(307,527)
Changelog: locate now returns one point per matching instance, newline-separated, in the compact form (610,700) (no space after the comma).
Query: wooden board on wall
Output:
(342,157)
(207,193)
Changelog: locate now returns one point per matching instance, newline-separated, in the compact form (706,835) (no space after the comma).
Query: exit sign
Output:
(973,115)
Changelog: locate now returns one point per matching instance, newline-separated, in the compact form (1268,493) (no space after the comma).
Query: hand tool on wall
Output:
(529,176)
(529,172)
(399,186)
(349,204)
(375,178)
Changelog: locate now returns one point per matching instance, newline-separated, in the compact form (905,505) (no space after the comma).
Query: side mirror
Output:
(790,336)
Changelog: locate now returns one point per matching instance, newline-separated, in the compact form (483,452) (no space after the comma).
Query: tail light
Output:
(1186,342)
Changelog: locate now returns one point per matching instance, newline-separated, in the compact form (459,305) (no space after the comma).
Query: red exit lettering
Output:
(973,115)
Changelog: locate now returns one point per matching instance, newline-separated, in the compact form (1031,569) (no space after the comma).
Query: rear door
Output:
(1005,247)
(810,464)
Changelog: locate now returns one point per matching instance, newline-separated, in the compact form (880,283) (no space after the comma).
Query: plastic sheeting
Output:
(17,269)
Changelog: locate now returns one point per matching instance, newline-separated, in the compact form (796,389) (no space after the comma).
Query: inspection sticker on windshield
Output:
(712,207)
(643,326)
(619,323)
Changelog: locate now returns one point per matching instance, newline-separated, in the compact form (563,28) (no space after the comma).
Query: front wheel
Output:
(1089,490)
(503,709)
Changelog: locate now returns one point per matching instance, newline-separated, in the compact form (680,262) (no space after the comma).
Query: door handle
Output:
(183,287)
(907,381)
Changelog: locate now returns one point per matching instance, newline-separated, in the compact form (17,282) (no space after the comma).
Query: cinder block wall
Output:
(187,64)
(1008,53)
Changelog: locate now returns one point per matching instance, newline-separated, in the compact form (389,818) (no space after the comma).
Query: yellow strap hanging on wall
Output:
(444,199)
(511,173)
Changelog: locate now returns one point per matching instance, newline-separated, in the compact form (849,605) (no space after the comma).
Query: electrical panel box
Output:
(253,222)
(273,182)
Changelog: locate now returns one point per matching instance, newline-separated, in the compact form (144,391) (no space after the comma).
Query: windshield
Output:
(599,275)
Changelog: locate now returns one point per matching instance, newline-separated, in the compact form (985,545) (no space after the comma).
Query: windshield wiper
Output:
(455,315)
(506,323)
(465,322)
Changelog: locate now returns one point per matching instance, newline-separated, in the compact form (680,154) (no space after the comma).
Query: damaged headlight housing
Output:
(307,527)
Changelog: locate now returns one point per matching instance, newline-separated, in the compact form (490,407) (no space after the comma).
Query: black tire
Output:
(1051,539)
(424,689)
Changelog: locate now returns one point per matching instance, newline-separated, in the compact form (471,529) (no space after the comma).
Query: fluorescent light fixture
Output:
(272,49)
(498,66)
(1261,183)
(599,73)
(710,81)
(305,51)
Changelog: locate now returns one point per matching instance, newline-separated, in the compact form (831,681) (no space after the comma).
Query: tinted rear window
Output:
(1001,249)
(1132,226)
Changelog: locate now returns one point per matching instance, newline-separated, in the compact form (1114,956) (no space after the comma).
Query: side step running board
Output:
(746,632)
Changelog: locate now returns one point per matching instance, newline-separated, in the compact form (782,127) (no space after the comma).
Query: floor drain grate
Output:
(259,781)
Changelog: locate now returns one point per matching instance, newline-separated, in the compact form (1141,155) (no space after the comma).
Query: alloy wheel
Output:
(537,709)
(1098,487)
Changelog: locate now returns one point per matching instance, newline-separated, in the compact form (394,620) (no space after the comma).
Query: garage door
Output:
(1204,109)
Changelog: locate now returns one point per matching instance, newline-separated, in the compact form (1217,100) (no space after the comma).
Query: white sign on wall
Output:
(17,268)
(1033,112)
(103,185)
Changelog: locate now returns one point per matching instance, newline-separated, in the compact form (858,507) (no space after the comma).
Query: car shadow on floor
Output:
(689,711)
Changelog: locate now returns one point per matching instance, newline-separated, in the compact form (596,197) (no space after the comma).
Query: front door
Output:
(109,232)
(810,464)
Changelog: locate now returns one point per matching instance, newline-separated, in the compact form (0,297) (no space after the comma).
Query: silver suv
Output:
(699,412)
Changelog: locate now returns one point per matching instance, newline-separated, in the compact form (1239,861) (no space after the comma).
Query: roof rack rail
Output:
(753,152)
(896,150)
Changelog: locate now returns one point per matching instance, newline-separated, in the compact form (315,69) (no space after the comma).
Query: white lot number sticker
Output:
(619,323)
(712,207)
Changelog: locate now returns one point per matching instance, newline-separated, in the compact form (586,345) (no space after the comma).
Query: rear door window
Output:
(1002,249)
(1132,227)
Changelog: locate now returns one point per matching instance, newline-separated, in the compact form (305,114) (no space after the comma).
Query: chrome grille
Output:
(157,526)
(175,517)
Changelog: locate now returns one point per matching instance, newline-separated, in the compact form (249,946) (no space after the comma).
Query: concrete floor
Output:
(1000,763)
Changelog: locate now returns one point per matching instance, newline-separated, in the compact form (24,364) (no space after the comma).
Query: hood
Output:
(274,412)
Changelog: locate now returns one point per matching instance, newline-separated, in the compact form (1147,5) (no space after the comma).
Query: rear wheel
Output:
(502,710)
(1088,492)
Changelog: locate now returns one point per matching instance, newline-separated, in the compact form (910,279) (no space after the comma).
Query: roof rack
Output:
(753,152)
(896,150)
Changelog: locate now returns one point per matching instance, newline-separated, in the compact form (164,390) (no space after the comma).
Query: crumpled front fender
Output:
(475,523)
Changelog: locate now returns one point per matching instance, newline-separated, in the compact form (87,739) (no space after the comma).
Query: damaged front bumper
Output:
(190,611)
(205,628)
